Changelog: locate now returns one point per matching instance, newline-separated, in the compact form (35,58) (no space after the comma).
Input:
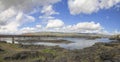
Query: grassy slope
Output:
(100,52)
(60,34)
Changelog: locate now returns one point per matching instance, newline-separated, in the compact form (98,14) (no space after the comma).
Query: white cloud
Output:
(13,21)
(89,6)
(27,30)
(38,26)
(48,10)
(15,13)
(81,27)
(82,6)
(58,26)
(7,14)
(108,3)
(46,17)
(25,5)
(9,28)
(116,32)
(55,23)
(22,18)
(88,26)
(84,27)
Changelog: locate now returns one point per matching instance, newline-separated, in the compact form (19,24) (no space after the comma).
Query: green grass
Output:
(1,59)
(47,50)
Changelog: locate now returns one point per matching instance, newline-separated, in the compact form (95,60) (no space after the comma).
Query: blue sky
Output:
(98,16)
(108,18)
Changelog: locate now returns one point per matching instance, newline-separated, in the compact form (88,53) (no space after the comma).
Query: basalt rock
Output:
(23,55)
(1,50)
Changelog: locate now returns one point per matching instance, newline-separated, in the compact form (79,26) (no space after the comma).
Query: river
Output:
(77,43)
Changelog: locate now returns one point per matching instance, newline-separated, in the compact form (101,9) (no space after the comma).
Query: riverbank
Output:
(99,52)
(51,41)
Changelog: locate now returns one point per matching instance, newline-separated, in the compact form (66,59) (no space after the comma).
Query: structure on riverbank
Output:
(18,36)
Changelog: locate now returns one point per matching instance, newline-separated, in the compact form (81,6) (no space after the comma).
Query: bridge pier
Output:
(14,37)
(13,40)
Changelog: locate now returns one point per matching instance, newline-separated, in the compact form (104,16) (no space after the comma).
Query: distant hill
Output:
(62,34)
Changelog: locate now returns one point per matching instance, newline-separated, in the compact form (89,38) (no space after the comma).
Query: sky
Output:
(80,16)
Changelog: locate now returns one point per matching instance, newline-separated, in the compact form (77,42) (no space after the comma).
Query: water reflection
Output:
(78,43)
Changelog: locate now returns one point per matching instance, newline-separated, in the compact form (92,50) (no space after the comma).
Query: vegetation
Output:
(99,52)
(72,35)
(39,40)
(115,37)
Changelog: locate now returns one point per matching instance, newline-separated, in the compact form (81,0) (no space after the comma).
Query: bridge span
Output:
(19,36)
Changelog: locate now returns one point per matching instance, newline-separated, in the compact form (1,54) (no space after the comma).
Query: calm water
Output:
(78,43)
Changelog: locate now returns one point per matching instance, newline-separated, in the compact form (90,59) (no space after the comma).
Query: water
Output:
(82,43)
(78,43)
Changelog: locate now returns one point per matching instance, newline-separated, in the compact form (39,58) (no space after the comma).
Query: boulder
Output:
(23,55)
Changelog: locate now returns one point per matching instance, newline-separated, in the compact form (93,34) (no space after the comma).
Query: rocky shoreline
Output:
(51,41)
(99,52)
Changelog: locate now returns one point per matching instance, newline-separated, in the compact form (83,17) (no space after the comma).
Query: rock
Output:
(100,52)
(62,59)
(3,42)
(23,55)
(116,59)
(49,55)
(38,61)
(1,50)
(107,61)
(105,56)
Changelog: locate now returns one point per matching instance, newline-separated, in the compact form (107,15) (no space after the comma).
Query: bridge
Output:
(19,36)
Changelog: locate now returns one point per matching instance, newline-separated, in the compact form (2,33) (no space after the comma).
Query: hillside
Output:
(100,52)
(62,34)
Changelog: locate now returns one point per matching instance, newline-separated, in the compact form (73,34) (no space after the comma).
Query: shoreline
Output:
(33,53)
(51,41)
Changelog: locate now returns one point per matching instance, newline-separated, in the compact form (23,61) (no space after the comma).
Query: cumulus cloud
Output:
(82,6)
(7,14)
(14,13)
(25,5)
(27,30)
(10,20)
(46,17)
(89,6)
(84,27)
(81,27)
(55,23)
(108,3)
(9,28)
(15,23)
(116,32)
(48,10)
(88,26)
(36,28)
